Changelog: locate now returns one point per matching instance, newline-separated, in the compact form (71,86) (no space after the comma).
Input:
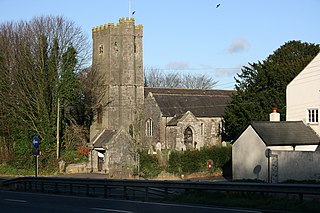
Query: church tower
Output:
(118,60)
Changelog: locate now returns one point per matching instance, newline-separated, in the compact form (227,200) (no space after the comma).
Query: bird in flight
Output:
(218,5)
(133,12)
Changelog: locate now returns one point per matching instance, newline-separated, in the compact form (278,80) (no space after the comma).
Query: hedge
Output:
(196,161)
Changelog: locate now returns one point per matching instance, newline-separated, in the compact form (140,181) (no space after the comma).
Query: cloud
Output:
(227,72)
(239,45)
(177,65)
(206,66)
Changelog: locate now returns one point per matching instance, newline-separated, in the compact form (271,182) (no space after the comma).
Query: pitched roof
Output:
(284,133)
(104,137)
(174,121)
(201,102)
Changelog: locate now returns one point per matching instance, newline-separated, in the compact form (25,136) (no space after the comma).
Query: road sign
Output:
(268,153)
(35,141)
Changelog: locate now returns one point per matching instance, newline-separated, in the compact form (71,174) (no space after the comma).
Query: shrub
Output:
(83,151)
(149,166)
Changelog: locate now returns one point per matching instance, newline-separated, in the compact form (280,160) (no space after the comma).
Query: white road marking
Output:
(13,200)
(111,210)
(207,207)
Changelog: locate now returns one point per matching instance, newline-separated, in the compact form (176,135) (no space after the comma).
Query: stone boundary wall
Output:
(297,165)
(76,168)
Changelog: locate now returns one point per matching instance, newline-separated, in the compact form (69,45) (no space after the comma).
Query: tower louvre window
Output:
(100,49)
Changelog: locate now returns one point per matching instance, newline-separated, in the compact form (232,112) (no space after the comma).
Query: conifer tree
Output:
(261,86)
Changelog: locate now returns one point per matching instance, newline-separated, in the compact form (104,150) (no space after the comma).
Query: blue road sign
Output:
(35,141)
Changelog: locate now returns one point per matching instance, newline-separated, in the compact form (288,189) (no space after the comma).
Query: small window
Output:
(131,130)
(100,49)
(313,115)
(115,47)
(149,127)
(202,129)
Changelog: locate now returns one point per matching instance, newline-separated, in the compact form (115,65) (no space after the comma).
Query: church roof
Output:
(174,121)
(104,137)
(285,133)
(201,102)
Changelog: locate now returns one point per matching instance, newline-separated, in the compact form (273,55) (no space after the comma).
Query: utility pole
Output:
(58,129)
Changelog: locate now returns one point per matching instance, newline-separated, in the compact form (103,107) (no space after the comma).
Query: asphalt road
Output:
(16,202)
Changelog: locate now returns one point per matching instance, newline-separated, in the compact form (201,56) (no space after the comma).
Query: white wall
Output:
(303,92)
(248,157)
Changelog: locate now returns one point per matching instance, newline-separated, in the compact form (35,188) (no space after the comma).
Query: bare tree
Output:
(155,78)
(201,81)
(172,80)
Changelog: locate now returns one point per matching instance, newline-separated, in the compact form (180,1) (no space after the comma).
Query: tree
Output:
(261,86)
(155,78)
(41,59)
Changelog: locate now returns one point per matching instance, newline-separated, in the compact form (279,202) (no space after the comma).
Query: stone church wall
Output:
(212,131)
(151,111)
(171,135)
(119,156)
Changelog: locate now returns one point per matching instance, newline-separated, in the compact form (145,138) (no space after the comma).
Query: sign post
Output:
(36,153)
(268,154)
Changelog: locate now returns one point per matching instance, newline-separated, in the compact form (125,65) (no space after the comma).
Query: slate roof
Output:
(285,133)
(174,121)
(201,102)
(104,137)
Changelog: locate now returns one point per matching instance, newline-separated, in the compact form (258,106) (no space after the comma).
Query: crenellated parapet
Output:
(112,26)
(139,27)
(122,20)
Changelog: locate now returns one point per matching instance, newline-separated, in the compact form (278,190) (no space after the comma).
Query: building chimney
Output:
(274,116)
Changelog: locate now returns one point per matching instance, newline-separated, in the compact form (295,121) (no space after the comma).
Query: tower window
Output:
(99,114)
(115,46)
(100,49)
(131,130)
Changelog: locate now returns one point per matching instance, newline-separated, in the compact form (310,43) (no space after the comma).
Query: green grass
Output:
(46,167)
(15,171)
(247,200)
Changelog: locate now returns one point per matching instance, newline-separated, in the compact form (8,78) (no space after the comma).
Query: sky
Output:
(191,36)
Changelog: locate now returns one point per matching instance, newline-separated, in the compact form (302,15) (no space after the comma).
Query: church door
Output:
(100,161)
